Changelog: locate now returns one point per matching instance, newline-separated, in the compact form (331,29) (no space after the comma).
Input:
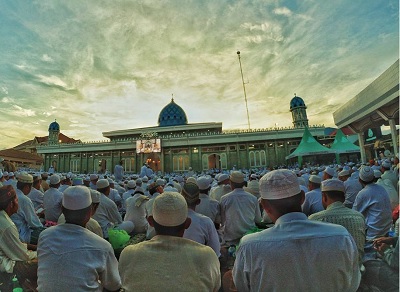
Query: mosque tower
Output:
(54,131)
(299,114)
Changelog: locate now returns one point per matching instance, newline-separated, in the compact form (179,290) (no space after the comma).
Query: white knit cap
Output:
(191,180)
(236,177)
(222,177)
(131,184)
(76,198)
(25,177)
(54,179)
(377,173)
(366,173)
(344,173)
(330,171)
(203,183)
(386,164)
(279,184)
(170,209)
(93,176)
(315,179)
(102,183)
(95,195)
(332,185)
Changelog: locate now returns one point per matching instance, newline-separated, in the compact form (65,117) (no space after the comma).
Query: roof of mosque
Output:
(297,101)
(54,126)
(172,115)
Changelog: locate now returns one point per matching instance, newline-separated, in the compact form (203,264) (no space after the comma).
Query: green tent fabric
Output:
(308,146)
(342,145)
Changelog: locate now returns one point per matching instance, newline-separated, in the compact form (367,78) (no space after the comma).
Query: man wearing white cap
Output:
(388,173)
(335,212)
(329,173)
(93,181)
(71,258)
(52,201)
(92,224)
(11,181)
(107,214)
(35,194)
(374,203)
(136,210)
(131,186)
(114,195)
(201,229)
(208,207)
(296,254)
(240,210)
(222,188)
(15,257)
(352,187)
(25,219)
(313,199)
(168,261)
(154,190)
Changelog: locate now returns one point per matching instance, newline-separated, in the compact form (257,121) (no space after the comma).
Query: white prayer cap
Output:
(253,176)
(145,179)
(76,198)
(102,183)
(377,173)
(190,192)
(177,186)
(139,181)
(332,185)
(279,184)
(110,181)
(203,183)
(191,180)
(330,171)
(366,174)
(253,188)
(315,179)
(55,179)
(344,173)
(222,177)
(25,177)
(170,209)
(93,176)
(160,182)
(237,177)
(86,178)
(95,195)
(131,184)
(170,188)
(5,173)
(386,164)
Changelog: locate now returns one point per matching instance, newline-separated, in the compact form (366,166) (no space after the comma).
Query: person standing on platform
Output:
(119,171)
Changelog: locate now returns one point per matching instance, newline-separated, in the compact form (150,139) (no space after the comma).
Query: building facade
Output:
(175,145)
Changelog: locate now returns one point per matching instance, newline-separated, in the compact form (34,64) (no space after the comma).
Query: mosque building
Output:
(174,145)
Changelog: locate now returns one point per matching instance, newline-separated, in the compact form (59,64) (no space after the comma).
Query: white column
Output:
(392,124)
(362,149)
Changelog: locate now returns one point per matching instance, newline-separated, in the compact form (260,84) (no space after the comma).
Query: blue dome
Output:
(172,115)
(54,126)
(297,101)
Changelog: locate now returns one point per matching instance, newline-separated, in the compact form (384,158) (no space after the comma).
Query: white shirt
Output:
(217,192)
(25,218)
(52,203)
(240,211)
(202,230)
(209,207)
(128,194)
(136,214)
(36,197)
(118,172)
(72,258)
(107,214)
(297,254)
(313,202)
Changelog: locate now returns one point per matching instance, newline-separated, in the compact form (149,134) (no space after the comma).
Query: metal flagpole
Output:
(244,89)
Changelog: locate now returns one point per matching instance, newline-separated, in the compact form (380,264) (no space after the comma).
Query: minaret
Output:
(54,131)
(299,113)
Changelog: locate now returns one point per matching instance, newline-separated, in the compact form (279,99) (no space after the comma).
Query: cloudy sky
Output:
(100,66)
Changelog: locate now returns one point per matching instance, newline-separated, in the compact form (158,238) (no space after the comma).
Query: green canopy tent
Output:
(342,145)
(307,147)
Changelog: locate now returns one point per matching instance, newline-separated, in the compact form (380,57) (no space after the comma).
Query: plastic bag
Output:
(118,237)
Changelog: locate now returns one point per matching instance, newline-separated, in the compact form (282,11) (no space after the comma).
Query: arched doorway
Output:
(214,161)
(154,161)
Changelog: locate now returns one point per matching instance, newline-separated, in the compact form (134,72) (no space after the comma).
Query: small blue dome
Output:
(172,115)
(54,126)
(297,101)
